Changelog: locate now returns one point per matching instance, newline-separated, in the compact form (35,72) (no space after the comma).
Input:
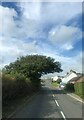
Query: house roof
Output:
(77,79)
(71,72)
(81,79)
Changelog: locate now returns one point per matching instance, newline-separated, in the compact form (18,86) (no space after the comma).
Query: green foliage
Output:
(33,66)
(54,84)
(23,76)
(59,80)
(14,87)
(69,87)
(79,89)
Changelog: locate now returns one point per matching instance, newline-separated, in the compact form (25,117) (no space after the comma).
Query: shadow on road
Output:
(54,91)
(41,106)
(58,91)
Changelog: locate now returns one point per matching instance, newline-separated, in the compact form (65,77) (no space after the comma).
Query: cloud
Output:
(11,26)
(11,48)
(7,23)
(68,62)
(30,10)
(65,36)
(67,46)
(49,13)
(39,25)
(12,36)
(55,13)
(35,18)
(73,62)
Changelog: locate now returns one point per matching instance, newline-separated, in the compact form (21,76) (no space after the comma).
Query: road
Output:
(51,103)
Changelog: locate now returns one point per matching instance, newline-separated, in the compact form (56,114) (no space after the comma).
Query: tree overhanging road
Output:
(51,103)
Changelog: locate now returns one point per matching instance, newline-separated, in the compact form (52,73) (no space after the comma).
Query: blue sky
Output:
(51,29)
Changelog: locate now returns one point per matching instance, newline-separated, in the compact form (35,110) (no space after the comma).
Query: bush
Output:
(69,87)
(14,87)
(8,87)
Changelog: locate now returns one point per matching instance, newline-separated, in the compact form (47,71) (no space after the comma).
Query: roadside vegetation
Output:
(22,78)
(54,84)
(69,87)
(14,89)
(77,88)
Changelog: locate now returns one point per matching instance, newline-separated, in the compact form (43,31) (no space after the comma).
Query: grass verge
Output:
(54,84)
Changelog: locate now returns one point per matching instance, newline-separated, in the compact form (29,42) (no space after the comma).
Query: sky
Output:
(46,28)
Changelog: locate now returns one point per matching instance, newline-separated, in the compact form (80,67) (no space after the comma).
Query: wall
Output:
(68,77)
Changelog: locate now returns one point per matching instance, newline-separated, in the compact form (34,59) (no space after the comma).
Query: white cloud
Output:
(65,36)
(68,63)
(67,46)
(20,28)
(34,18)
(59,13)
(11,48)
(12,43)
(7,23)
(73,62)
(30,10)
(15,28)
(50,12)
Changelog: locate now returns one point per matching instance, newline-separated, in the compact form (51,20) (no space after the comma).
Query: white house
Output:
(69,76)
(54,79)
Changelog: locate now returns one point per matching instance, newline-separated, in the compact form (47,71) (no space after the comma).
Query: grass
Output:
(54,84)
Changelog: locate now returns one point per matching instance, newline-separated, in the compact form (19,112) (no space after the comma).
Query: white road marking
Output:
(63,115)
(75,98)
(60,111)
(53,95)
(56,102)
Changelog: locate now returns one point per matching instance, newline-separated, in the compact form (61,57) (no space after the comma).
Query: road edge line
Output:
(75,98)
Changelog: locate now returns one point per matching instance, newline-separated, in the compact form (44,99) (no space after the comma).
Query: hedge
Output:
(14,87)
(69,87)
(79,89)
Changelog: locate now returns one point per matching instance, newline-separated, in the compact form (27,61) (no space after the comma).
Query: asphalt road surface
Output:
(50,103)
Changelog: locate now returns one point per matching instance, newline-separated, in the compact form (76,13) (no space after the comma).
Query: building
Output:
(74,80)
(55,78)
(72,74)
(81,79)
